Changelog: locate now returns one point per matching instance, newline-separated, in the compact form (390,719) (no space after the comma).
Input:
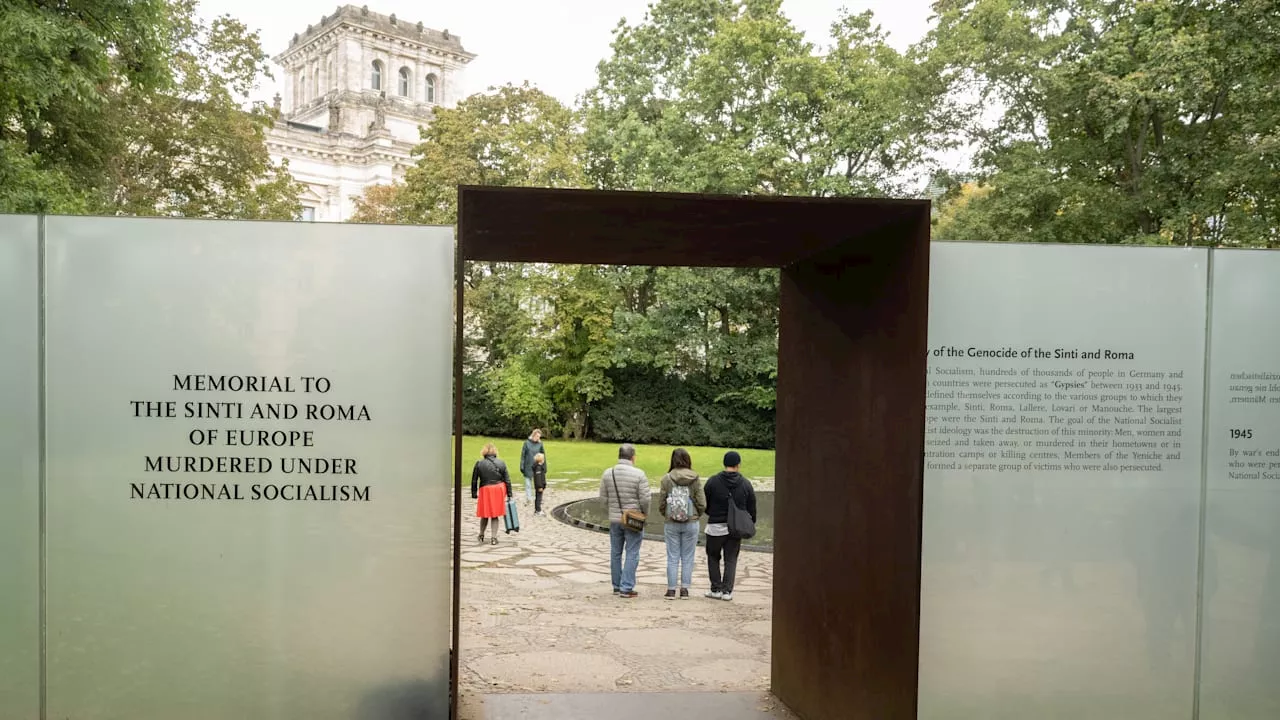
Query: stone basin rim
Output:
(561,513)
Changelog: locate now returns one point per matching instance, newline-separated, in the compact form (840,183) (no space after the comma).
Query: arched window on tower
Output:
(375,79)
(404,82)
(431,88)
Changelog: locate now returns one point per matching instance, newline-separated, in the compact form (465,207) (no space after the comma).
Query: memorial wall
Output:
(19,469)
(246,469)
(246,460)
(1241,625)
(1066,478)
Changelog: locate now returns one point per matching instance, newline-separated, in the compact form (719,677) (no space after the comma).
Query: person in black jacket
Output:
(490,488)
(721,489)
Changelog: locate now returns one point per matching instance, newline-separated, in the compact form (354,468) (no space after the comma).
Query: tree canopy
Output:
(511,135)
(134,108)
(1118,122)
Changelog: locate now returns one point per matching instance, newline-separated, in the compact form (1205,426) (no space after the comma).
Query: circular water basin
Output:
(591,514)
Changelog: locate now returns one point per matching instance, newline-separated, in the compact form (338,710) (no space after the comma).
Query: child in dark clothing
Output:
(539,481)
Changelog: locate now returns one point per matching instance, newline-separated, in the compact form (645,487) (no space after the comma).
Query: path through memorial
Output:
(538,616)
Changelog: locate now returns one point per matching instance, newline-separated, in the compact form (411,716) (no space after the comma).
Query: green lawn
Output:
(579,464)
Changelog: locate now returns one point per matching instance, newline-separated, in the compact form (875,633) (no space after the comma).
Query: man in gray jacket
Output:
(624,487)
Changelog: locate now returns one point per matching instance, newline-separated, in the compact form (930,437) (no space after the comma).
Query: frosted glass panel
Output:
(1241,651)
(1062,482)
(19,471)
(248,469)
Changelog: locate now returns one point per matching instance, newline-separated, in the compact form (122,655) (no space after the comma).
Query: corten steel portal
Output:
(850,412)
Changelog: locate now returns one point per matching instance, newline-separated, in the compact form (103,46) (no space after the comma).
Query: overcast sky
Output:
(554,45)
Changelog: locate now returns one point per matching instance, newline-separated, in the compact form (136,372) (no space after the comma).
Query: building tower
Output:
(357,88)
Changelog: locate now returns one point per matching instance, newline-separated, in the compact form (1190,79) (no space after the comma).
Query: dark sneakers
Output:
(627,595)
(671,595)
(684,593)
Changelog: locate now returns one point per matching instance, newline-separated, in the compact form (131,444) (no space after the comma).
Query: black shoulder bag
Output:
(740,523)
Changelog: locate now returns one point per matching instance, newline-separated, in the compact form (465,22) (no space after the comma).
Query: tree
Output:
(380,204)
(59,64)
(1150,122)
(717,323)
(579,341)
(704,96)
(133,108)
(512,135)
(727,96)
(195,150)
(501,352)
(880,121)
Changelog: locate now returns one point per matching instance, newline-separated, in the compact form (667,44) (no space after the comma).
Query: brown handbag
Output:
(631,519)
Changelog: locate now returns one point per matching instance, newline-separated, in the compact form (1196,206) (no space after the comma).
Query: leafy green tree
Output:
(512,135)
(194,149)
(708,322)
(704,96)
(59,64)
(133,108)
(727,96)
(501,303)
(1118,122)
(579,341)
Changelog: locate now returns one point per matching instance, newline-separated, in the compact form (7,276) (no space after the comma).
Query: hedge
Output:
(649,407)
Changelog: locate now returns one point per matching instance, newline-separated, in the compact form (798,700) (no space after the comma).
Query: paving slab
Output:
(586,670)
(676,641)
(630,706)
(584,576)
(726,672)
(540,560)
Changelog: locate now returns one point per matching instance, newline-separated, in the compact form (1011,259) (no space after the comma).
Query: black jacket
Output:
(489,471)
(718,489)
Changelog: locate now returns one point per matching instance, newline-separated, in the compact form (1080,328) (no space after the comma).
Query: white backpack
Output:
(680,504)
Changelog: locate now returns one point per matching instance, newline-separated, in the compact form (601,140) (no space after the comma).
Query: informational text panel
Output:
(1062,481)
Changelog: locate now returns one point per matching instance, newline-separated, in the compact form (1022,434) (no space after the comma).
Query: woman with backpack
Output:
(490,488)
(681,501)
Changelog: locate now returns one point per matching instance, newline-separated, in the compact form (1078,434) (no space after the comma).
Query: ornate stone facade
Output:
(357,88)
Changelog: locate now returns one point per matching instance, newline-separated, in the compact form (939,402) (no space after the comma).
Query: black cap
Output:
(732,459)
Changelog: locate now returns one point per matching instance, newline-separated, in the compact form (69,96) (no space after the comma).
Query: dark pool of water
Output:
(593,511)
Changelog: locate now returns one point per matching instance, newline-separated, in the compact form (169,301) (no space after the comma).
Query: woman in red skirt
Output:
(490,488)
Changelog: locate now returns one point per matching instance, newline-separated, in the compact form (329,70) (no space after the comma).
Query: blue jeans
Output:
(624,575)
(528,488)
(682,542)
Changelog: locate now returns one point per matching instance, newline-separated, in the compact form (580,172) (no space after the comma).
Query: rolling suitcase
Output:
(512,519)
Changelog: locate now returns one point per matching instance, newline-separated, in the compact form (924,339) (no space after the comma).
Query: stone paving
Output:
(539,616)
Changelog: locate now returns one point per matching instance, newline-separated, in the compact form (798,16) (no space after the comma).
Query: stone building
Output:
(357,87)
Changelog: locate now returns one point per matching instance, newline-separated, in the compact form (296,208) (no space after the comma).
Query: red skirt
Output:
(492,502)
